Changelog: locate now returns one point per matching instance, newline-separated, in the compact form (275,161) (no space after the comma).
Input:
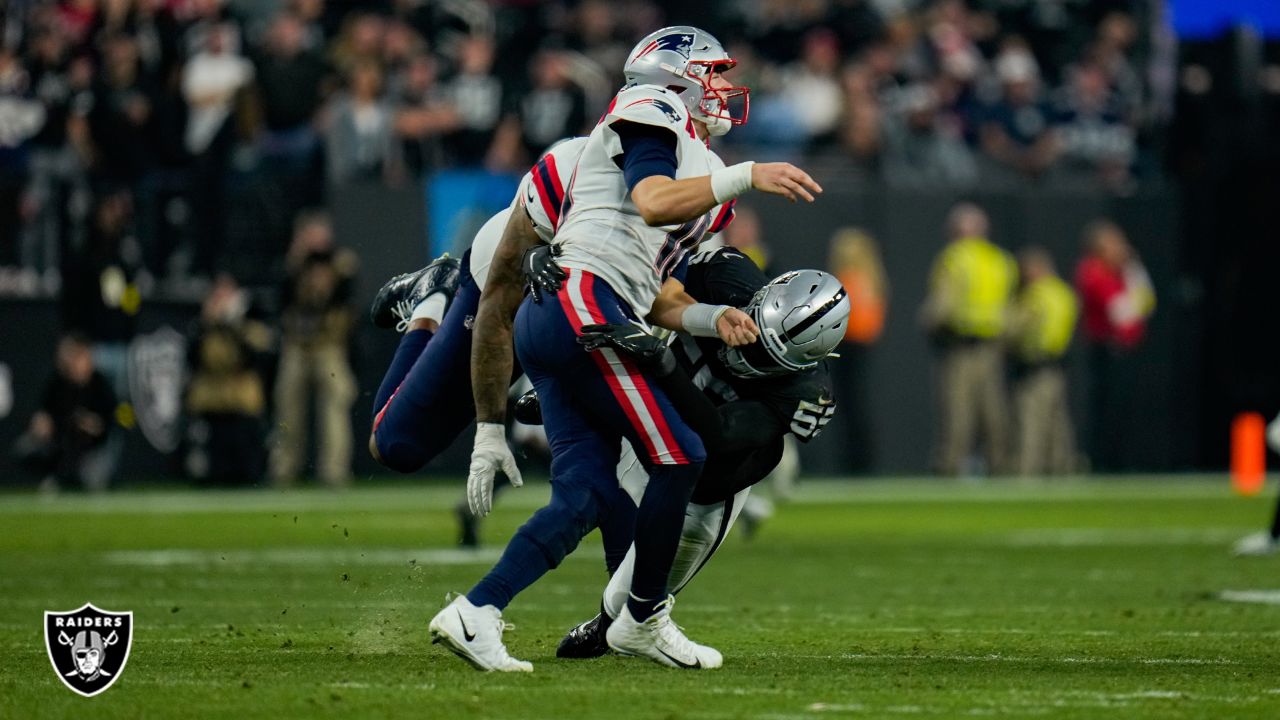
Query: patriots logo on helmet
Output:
(672,114)
(676,42)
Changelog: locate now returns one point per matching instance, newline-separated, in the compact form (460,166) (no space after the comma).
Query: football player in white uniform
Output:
(424,400)
(644,191)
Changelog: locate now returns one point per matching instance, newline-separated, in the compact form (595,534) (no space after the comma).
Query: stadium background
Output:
(1185,160)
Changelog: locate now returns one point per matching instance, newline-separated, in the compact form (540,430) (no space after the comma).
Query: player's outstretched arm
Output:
(491,363)
(664,201)
(675,309)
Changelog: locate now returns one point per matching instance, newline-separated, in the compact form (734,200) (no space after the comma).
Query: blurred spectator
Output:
(101,299)
(811,87)
(1040,329)
(361,144)
(860,133)
(855,261)
(211,80)
(101,296)
(1016,131)
(21,117)
(65,441)
(920,148)
(477,96)
(121,117)
(58,192)
(745,234)
(1116,298)
(1097,141)
(314,362)
(594,33)
(553,109)
(423,115)
(1110,51)
(291,77)
(226,398)
(966,314)
(359,42)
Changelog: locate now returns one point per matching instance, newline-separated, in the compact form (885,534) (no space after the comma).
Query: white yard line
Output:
(1261,597)
(1107,537)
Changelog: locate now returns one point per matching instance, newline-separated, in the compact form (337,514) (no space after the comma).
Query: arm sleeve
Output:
(646,151)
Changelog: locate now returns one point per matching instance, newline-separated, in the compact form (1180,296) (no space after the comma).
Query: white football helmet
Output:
(683,59)
(801,315)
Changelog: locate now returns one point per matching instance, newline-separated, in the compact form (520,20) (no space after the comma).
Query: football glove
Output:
(541,271)
(632,340)
(489,455)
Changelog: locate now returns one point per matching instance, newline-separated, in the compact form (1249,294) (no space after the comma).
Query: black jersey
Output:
(752,415)
(800,402)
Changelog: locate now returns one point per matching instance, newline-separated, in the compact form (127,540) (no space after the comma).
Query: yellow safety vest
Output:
(977,278)
(1048,309)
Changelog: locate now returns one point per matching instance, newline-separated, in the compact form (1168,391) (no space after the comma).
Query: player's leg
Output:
(1266,541)
(431,404)
(674,455)
(705,528)
(584,455)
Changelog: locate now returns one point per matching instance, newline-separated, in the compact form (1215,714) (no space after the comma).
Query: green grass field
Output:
(864,600)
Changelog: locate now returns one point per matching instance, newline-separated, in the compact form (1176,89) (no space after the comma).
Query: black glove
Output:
(541,271)
(632,340)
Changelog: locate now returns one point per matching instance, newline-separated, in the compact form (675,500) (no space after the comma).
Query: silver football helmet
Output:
(801,316)
(683,58)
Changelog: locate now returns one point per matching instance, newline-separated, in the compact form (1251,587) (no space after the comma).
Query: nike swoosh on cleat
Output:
(697,665)
(472,636)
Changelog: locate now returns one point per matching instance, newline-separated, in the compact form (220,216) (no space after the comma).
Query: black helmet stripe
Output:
(814,317)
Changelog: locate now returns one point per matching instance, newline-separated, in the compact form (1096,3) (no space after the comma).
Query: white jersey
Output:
(541,194)
(601,230)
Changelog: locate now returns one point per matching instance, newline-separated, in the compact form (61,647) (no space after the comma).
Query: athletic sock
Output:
(659,520)
(411,346)
(431,308)
(641,608)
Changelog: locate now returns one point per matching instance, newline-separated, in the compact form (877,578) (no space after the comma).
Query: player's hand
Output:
(489,455)
(737,328)
(785,179)
(542,272)
(631,339)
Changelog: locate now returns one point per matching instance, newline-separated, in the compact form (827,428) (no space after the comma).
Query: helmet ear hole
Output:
(675,89)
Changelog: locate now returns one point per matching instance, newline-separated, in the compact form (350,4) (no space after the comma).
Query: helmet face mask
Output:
(723,105)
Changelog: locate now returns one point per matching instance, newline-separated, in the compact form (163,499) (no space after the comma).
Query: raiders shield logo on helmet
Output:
(88,647)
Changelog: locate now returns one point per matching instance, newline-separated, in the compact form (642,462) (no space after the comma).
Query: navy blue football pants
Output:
(591,401)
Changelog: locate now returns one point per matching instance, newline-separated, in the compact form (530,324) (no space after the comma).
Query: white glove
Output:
(489,455)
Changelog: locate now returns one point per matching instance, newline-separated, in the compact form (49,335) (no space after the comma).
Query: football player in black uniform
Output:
(741,401)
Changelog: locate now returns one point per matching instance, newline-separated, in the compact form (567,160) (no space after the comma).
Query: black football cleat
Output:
(395,301)
(586,640)
(528,409)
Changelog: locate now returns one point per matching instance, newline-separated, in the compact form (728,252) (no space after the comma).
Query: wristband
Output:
(730,182)
(700,319)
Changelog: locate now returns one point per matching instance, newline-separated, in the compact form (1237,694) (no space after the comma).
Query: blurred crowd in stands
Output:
(220,120)
(179,149)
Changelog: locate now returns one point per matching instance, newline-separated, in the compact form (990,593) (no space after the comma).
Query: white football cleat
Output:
(1255,545)
(475,635)
(659,639)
